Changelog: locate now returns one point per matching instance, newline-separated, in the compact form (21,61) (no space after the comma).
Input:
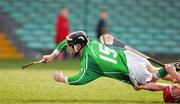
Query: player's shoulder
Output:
(92,47)
(92,43)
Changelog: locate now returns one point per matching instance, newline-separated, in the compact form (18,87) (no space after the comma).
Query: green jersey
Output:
(99,60)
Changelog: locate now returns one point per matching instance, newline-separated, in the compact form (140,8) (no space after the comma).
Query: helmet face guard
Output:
(75,38)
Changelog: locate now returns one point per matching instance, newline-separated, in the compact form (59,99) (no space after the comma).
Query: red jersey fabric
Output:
(62,29)
(167,94)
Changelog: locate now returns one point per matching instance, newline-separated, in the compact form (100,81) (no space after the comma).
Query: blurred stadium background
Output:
(28,26)
(27,29)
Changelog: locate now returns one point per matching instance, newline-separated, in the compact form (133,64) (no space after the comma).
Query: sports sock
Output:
(161,73)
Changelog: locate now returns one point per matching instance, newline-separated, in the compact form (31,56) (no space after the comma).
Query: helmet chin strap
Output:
(75,48)
(77,51)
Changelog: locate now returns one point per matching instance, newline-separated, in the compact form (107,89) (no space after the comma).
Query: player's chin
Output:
(167,94)
(71,54)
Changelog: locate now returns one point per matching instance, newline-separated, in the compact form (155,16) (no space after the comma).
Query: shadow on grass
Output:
(88,101)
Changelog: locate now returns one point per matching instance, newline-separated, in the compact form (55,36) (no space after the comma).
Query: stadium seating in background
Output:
(151,26)
(7,50)
(147,25)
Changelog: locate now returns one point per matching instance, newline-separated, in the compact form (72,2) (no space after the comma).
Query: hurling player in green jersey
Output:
(98,60)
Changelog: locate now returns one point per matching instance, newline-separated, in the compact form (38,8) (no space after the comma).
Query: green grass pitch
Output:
(35,85)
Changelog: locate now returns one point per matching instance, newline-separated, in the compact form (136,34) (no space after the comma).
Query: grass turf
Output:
(35,85)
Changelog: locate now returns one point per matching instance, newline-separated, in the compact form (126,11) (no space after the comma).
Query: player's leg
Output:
(158,73)
(161,72)
(169,69)
(141,70)
(155,70)
(138,71)
(170,75)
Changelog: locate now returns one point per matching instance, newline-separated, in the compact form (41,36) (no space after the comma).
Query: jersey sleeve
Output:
(60,47)
(86,74)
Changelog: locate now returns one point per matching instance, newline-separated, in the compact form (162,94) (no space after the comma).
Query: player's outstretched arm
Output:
(48,58)
(60,47)
(152,86)
(83,77)
(79,79)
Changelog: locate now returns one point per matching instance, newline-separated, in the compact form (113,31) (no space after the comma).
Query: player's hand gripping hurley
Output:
(109,39)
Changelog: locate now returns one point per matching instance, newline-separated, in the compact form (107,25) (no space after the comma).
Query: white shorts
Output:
(138,72)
